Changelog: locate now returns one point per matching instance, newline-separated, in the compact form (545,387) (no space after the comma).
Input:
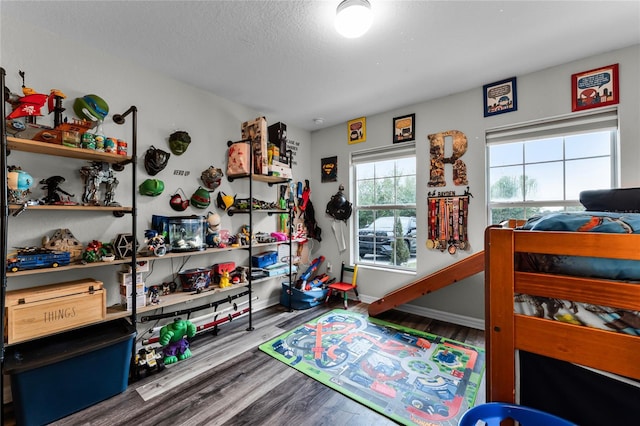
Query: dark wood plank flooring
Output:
(250,387)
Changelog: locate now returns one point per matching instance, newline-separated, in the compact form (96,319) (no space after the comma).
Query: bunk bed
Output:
(546,288)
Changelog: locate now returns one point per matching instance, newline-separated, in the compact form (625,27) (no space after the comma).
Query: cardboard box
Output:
(125,278)
(40,311)
(278,137)
(125,289)
(283,172)
(256,131)
(126,301)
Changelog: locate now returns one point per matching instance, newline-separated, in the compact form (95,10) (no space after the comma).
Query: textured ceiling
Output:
(284,58)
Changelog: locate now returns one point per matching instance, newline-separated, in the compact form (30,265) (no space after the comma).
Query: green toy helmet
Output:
(151,187)
(179,142)
(91,107)
(201,198)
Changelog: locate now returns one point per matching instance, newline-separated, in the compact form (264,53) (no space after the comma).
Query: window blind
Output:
(386,153)
(606,119)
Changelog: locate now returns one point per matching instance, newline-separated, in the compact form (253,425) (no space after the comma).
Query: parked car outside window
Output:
(377,237)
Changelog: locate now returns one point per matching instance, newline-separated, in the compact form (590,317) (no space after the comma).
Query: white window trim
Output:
(592,120)
(396,151)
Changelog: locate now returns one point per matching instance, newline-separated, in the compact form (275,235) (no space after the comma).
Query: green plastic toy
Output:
(173,338)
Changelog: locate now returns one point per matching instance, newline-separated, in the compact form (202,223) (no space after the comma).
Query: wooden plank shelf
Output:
(45,148)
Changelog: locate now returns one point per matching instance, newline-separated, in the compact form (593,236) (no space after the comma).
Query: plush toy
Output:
(173,338)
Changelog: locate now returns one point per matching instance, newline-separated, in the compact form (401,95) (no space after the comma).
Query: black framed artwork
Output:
(404,128)
(500,97)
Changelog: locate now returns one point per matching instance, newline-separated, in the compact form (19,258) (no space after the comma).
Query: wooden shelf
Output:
(118,311)
(15,207)
(140,258)
(231,211)
(45,148)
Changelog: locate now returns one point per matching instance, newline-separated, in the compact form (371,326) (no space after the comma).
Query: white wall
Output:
(543,94)
(164,105)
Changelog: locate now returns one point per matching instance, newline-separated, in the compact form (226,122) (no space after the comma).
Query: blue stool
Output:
(494,412)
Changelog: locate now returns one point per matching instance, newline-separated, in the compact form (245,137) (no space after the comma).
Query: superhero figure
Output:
(173,337)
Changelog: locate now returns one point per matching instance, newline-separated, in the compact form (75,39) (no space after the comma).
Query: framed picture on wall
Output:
(595,88)
(403,128)
(329,169)
(500,97)
(357,130)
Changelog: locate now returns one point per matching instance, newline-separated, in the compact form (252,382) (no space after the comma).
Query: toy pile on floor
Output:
(309,290)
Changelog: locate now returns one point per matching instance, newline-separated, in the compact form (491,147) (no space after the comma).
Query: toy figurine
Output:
(224,279)
(54,192)
(95,175)
(155,242)
(18,182)
(173,338)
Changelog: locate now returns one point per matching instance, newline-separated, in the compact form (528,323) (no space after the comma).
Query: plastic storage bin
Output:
(58,375)
(302,299)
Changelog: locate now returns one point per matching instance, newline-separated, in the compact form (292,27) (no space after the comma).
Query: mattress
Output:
(603,317)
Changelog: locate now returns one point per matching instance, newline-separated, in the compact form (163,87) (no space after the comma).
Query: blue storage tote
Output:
(302,299)
(262,260)
(58,375)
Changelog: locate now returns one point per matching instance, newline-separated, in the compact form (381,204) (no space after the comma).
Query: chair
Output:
(343,286)
(494,412)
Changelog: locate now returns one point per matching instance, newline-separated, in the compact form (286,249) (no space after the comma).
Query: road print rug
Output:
(412,377)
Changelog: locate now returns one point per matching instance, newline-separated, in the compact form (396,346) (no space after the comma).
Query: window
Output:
(385,207)
(542,167)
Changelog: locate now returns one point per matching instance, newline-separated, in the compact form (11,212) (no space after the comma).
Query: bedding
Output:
(603,317)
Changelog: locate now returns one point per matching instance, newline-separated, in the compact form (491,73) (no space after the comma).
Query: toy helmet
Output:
(91,107)
(225,201)
(201,198)
(179,142)
(338,207)
(155,160)
(179,203)
(212,177)
(151,187)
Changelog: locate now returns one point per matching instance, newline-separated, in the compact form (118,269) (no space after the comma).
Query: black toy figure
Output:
(54,192)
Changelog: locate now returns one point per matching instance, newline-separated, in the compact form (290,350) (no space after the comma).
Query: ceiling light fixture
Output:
(353,18)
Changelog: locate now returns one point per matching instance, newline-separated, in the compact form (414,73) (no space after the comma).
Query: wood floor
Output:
(229,381)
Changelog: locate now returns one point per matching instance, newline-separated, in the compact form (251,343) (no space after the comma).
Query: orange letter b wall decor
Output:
(438,160)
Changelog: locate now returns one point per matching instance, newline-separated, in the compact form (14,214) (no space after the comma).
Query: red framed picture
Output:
(595,88)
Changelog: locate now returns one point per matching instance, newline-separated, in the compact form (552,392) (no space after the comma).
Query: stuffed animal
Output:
(173,338)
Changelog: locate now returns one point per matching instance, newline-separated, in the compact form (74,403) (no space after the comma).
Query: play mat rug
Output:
(410,376)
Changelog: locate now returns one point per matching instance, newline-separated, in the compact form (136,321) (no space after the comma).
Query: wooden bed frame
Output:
(507,331)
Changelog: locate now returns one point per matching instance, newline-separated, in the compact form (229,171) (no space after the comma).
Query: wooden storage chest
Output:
(43,310)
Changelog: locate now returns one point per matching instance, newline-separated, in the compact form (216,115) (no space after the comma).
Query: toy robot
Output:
(95,175)
(173,338)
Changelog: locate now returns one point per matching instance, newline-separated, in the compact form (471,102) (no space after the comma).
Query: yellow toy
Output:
(224,279)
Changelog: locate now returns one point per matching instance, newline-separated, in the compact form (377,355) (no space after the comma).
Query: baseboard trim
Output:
(452,318)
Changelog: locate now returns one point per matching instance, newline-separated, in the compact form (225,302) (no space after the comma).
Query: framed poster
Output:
(403,128)
(357,130)
(500,97)
(595,88)
(329,168)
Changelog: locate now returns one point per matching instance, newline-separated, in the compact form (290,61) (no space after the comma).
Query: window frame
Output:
(604,120)
(395,152)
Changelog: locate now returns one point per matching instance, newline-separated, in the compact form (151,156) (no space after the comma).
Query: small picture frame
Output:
(329,169)
(404,128)
(595,88)
(357,130)
(500,97)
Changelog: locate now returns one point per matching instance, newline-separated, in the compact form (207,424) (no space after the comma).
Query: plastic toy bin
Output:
(64,373)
